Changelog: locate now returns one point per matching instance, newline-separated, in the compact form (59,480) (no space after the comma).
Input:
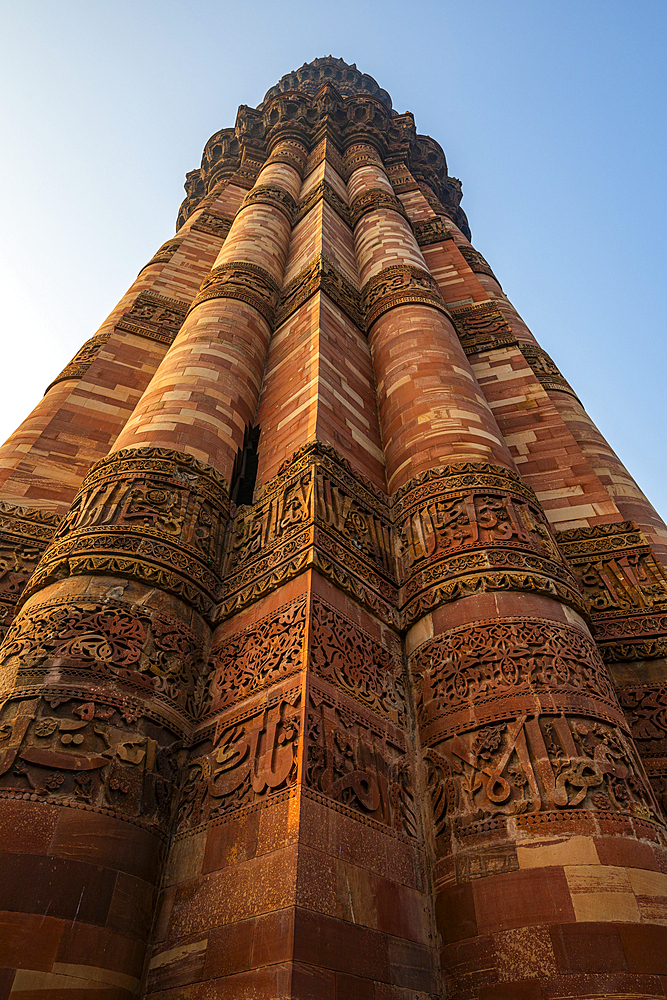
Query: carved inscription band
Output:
(400,285)
(244,282)
(149,513)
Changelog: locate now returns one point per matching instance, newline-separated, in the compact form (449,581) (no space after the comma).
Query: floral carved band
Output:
(374,200)
(148,513)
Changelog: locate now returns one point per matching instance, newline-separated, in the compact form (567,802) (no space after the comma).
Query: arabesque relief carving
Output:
(250,756)
(320,275)
(510,665)
(343,654)
(149,654)
(400,285)
(359,765)
(267,651)
(482,327)
(535,768)
(625,588)
(243,282)
(475,261)
(149,513)
(89,754)
(156,317)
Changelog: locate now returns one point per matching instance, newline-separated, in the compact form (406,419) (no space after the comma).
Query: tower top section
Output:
(347,80)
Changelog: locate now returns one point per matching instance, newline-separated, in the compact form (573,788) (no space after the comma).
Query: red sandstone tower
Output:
(335,641)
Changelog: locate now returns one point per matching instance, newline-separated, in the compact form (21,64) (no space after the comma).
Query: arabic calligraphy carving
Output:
(244,282)
(365,770)
(535,764)
(87,753)
(155,317)
(251,758)
(399,285)
(482,327)
(152,513)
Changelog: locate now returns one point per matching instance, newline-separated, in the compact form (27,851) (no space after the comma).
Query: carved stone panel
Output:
(323,191)
(89,755)
(149,513)
(475,261)
(24,535)
(511,666)
(464,528)
(164,254)
(625,588)
(546,370)
(482,327)
(358,767)
(213,224)
(250,756)
(243,282)
(82,360)
(536,769)
(400,285)
(431,231)
(320,275)
(154,316)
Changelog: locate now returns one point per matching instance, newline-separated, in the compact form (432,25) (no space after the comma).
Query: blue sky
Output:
(551,113)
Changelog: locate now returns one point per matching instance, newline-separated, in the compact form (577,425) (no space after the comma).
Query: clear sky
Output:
(551,112)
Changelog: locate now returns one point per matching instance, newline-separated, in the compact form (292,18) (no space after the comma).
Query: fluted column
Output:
(205,391)
(529,765)
(102,669)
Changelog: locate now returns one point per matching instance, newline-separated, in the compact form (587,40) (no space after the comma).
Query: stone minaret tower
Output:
(335,644)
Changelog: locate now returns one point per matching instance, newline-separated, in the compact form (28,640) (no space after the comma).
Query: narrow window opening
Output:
(244,473)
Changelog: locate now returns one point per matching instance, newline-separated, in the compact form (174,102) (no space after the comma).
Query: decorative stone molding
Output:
(267,194)
(151,514)
(243,282)
(212,223)
(475,261)
(320,275)
(430,232)
(155,317)
(323,191)
(625,588)
(82,360)
(545,369)
(400,285)
(482,327)
(164,254)
(374,200)
(24,534)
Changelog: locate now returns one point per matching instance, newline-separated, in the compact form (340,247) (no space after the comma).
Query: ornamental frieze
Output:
(155,317)
(625,588)
(89,754)
(24,534)
(323,191)
(268,194)
(545,369)
(537,769)
(317,503)
(244,282)
(511,666)
(475,261)
(320,275)
(82,360)
(374,200)
(213,224)
(431,231)
(400,285)
(164,254)
(482,327)
(268,651)
(140,656)
(150,513)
